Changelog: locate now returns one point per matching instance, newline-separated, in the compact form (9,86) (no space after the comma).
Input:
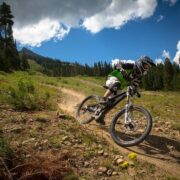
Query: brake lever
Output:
(138,94)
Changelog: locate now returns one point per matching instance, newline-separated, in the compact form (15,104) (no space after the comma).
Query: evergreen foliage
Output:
(162,77)
(9,56)
(168,75)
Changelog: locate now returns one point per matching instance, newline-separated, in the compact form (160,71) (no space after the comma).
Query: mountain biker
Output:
(132,72)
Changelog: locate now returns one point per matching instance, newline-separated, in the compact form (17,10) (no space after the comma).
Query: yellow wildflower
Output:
(125,164)
(132,156)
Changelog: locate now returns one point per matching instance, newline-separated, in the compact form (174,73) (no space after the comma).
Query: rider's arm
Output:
(121,67)
(135,80)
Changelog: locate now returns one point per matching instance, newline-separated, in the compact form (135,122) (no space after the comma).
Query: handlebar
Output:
(138,94)
(133,91)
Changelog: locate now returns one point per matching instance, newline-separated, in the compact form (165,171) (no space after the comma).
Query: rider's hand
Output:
(138,95)
(135,91)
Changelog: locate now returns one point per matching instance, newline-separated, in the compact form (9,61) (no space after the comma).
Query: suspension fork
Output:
(127,120)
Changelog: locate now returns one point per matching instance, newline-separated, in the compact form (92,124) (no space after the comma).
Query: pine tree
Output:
(147,81)
(4,64)
(24,62)
(7,43)
(168,75)
(6,23)
(176,77)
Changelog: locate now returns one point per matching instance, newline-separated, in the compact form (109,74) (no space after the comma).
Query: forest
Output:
(165,76)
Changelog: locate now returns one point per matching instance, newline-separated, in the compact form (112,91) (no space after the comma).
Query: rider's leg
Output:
(107,93)
(113,85)
(109,84)
(104,99)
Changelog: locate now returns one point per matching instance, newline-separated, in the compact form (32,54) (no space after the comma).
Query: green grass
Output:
(34,66)
(55,141)
(172,178)
(5,150)
(162,105)
(107,163)
(89,139)
(71,176)
(25,91)
(86,85)
(176,126)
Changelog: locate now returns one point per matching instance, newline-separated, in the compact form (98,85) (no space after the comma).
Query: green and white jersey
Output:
(122,74)
(116,73)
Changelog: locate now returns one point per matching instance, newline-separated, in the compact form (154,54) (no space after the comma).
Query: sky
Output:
(87,31)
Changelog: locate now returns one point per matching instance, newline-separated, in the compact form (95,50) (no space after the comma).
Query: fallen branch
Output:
(19,167)
(6,168)
(34,175)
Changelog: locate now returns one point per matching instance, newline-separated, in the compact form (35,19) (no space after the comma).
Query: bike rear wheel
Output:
(134,133)
(87,108)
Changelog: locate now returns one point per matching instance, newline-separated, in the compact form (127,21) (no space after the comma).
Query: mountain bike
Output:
(130,126)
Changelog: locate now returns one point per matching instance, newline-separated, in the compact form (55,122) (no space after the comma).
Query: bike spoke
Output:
(87,110)
(132,131)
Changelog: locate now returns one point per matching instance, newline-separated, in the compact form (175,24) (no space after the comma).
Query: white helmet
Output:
(140,64)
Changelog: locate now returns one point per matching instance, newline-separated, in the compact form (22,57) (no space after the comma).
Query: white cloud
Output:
(160,18)
(171,2)
(35,34)
(37,21)
(115,61)
(166,54)
(94,14)
(118,13)
(68,12)
(177,56)
(159,61)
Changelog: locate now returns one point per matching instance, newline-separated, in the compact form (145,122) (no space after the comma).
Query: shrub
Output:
(89,138)
(5,150)
(3,73)
(26,96)
(71,176)
(64,81)
(31,72)
(176,126)
(107,163)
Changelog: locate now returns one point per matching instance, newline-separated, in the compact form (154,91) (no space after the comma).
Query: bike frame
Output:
(116,99)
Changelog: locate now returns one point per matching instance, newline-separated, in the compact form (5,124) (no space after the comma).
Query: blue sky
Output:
(155,32)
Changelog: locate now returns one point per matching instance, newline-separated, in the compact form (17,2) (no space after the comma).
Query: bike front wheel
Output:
(134,133)
(87,108)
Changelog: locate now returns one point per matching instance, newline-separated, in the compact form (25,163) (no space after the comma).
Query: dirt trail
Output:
(158,150)
(70,100)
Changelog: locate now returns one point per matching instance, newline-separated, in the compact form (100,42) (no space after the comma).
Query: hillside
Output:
(42,143)
(54,67)
(165,76)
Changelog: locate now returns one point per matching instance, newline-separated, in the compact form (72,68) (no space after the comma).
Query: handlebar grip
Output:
(137,93)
